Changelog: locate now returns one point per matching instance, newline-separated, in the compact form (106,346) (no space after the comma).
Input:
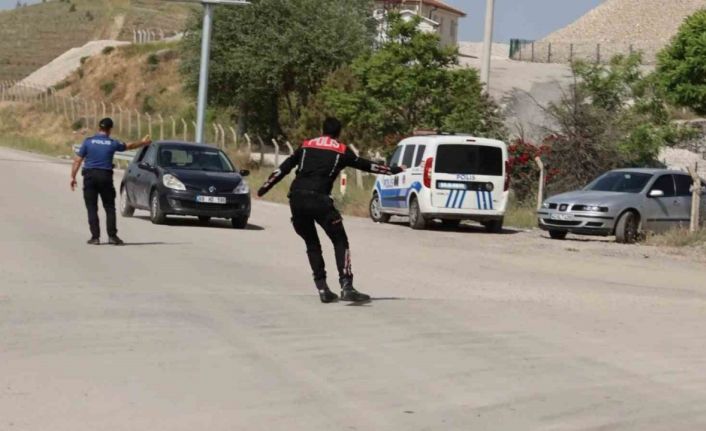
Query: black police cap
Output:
(106,123)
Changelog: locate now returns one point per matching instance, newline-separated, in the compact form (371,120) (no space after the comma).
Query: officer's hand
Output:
(73,185)
(147,140)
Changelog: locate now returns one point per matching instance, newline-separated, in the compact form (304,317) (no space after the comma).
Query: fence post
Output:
(344,183)
(185,129)
(194,124)
(223,136)
(139,124)
(149,125)
(598,53)
(532,51)
(540,189)
(121,126)
(161,127)
(695,224)
(235,137)
(549,53)
(134,36)
(274,141)
(358,174)
(247,139)
(66,108)
(215,133)
(631,49)
(103,106)
(73,109)
(289,147)
(95,114)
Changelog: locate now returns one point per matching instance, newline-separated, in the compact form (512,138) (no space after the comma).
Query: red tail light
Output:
(427,172)
(507,175)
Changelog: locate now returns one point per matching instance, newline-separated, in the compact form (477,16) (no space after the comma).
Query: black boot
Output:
(325,293)
(114,240)
(94,241)
(348,292)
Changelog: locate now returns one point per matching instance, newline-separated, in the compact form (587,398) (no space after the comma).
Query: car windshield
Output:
(620,182)
(194,159)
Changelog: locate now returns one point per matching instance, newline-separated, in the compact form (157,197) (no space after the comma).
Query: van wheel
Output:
(558,234)
(376,213)
(156,214)
(627,230)
(126,210)
(494,226)
(416,219)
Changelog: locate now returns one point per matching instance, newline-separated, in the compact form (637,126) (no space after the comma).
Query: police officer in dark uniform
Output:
(96,155)
(318,162)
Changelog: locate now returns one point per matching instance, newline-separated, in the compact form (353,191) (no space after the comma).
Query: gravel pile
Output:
(629,21)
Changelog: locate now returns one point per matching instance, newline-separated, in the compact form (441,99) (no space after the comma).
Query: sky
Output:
(521,19)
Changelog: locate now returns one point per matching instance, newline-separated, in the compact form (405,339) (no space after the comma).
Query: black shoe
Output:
(114,240)
(348,293)
(94,241)
(325,293)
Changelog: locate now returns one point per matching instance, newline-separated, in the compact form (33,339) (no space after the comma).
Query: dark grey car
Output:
(624,203)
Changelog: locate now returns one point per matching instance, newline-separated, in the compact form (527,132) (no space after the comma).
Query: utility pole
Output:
(487,44)
(208,6)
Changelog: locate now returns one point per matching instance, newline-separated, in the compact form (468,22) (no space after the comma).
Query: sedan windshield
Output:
(620,182)
(194,159)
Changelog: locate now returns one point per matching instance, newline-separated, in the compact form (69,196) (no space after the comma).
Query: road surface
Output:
(209,328)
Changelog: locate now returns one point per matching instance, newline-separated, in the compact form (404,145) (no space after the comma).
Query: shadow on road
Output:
(462,228)
(196,223)
(153,243)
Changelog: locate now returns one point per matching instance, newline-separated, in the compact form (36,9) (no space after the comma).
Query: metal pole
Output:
(487,43)
(203,74)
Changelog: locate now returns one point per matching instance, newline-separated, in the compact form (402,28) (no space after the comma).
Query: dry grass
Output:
(678,238)
(520,216)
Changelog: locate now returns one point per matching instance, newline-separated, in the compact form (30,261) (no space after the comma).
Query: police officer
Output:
(318,162)
(96,155)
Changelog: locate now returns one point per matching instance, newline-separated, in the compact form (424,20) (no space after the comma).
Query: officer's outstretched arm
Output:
(139,144)
(284,169)
(366,165)
(78,160)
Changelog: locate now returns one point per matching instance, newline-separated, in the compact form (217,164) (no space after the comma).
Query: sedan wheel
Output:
(156,214)
(126,210)
(627,230)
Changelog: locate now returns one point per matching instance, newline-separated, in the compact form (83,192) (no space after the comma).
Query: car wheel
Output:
(156,214)
(239,222)
(416,219)
(494,226)
(558,234)
(627,231)
(376,213)
(204,219)
(126,210)
(450,224)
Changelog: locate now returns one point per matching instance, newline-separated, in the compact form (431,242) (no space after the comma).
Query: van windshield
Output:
(469,159)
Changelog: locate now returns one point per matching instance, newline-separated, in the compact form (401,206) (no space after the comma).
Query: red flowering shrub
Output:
(524,171)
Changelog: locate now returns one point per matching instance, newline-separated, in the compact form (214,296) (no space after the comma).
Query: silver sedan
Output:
(624,203)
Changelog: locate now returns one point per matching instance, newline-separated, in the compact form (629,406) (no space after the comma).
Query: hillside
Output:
(629,21)
(32,36)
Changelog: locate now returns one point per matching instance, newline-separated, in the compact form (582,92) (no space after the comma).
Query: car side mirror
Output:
(656,193)
(146,166)
(244,172)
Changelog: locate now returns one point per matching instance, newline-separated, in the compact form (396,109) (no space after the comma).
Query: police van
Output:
(449,178)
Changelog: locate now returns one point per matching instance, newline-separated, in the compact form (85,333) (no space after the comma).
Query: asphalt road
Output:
(209,328)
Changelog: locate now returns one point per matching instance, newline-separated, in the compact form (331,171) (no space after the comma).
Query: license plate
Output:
(562,217)
(211,199)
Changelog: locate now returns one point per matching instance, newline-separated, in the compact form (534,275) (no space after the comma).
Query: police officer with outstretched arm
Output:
(318,162)
(96,155)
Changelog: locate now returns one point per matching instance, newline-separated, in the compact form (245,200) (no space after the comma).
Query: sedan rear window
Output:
(620,182)
(469,159)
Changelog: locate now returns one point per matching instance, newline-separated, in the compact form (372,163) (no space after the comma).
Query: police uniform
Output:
(97,152)
(318,162)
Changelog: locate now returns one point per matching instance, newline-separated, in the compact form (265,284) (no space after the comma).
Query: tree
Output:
(270,57)
(681,68)
(409,83)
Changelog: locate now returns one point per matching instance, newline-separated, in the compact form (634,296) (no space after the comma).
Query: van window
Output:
(396,156)
(420,155)
(469,159)
(408,157)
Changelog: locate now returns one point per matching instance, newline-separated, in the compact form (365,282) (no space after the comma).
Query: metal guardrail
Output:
(125,156)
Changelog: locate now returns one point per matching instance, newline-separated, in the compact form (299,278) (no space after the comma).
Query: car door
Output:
(682,206)
(405,178)
(130,180)
(388,184)
(660,210)
(145,175)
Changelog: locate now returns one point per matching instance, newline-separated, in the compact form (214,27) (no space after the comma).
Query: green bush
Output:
(152,62)
(107,87)
(78,124)
(108,49)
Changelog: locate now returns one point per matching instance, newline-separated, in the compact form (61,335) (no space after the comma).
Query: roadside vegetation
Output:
(678,238)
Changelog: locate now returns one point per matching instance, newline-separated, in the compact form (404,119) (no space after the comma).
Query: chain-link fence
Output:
(566,52)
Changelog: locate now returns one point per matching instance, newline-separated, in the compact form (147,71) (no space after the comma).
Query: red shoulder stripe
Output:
(325,143)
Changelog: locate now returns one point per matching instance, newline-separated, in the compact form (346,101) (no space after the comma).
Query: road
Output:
(209,328)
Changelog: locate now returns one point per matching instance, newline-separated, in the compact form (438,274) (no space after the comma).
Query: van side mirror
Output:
(656,193)
(244,172)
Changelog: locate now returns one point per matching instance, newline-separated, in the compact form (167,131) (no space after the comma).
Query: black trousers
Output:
(99,182)
(309,209)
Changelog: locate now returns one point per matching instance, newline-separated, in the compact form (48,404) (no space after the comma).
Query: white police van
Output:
(449,178)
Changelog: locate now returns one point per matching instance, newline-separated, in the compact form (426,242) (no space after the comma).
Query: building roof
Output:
(433,3)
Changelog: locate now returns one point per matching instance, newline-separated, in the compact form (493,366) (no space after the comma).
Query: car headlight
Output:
(590,208)
(242,188)
(172,182)
(545,205)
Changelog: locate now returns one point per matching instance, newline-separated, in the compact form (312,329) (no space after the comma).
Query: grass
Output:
(34,145)
(678,238)
(521,216)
